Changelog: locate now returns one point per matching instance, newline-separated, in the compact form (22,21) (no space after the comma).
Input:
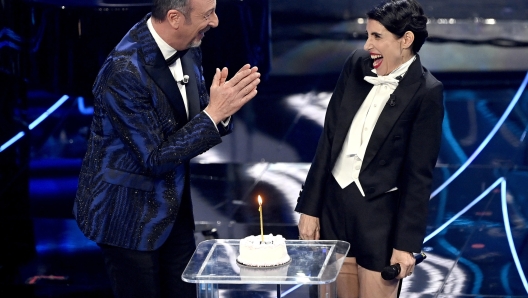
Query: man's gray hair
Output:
(161,7)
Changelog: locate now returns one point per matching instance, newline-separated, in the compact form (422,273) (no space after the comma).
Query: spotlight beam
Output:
(486,140)
(35,123)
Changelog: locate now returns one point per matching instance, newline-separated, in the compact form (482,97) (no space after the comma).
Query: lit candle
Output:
(261,225)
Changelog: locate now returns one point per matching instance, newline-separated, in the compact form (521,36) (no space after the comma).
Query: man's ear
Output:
(175,18)
(408,39)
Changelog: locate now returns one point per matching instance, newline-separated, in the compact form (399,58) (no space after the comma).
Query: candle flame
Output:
(260,200)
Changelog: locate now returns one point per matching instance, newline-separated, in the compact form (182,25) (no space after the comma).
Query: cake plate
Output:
(240,264)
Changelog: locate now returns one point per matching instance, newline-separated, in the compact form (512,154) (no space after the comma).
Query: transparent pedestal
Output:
(312,263)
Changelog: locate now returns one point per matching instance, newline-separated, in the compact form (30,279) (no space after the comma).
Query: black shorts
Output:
(368,225)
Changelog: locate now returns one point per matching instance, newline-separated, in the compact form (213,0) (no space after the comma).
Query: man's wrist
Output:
(211,119)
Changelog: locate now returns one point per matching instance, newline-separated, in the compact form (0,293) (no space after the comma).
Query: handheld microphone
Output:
(390,272)
(185,80)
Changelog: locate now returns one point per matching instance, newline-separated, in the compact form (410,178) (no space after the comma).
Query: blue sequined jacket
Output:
(132,178)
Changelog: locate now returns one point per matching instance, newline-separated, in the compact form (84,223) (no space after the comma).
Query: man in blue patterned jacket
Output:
(152,114)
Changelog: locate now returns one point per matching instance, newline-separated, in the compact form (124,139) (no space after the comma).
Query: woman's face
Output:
(384,47)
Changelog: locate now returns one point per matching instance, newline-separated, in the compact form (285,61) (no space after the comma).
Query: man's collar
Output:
(166,50)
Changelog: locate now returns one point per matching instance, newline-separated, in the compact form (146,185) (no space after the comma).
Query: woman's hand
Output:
(308,227)
(405,259)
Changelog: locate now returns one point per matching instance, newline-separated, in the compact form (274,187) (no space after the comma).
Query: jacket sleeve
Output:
(148,135)
(417,171)
(311,195)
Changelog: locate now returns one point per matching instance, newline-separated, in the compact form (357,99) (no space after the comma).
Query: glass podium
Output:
(313,262)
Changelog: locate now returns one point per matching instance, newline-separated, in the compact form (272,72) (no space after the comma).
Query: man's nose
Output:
(214,20)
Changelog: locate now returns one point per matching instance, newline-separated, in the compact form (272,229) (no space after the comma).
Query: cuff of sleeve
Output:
(226,121)
(211,119)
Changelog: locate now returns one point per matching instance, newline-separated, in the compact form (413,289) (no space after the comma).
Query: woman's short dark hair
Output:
(400,16)
(161,7)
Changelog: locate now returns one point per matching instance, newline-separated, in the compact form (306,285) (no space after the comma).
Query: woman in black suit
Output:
(370,180)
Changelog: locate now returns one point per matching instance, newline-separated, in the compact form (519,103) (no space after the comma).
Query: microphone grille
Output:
(390,272)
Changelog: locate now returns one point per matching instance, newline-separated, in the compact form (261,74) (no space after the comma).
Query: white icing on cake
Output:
(271,252)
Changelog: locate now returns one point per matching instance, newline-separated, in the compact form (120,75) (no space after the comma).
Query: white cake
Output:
(272,252)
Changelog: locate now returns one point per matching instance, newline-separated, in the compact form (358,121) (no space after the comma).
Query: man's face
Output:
(200,18)
(384,48)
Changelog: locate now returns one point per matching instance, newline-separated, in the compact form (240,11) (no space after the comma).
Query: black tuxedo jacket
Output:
(402,150)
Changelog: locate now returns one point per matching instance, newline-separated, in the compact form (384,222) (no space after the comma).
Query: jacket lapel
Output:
(401,97)
(158,70)
(355,93)
(190,68)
